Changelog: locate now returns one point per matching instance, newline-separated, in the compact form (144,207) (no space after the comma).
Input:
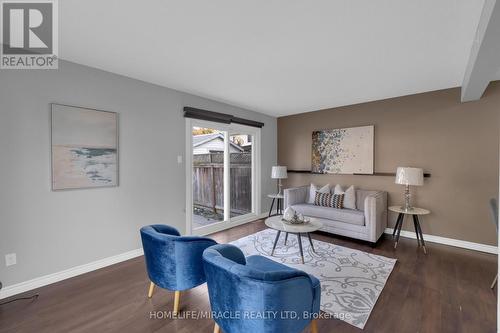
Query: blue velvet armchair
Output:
(258,295)
(173,261)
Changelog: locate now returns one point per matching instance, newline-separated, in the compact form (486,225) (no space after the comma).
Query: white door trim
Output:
(189,182)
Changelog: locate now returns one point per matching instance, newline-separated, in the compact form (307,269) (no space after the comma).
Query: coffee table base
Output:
(299,239)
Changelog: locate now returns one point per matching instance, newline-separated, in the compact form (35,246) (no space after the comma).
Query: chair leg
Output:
(151,288)
(177,299)
(494,282)
(314,326)
(216,328)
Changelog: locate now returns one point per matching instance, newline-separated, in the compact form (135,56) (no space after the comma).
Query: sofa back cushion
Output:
(360,198)
(349,195)
(329,200)
(313,189)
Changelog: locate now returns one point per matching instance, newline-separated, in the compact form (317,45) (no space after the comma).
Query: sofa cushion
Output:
(329,200)
(351,216)
(313,189)
(349,196)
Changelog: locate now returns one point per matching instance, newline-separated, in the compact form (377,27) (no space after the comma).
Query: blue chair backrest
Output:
(239,289)
(173,261)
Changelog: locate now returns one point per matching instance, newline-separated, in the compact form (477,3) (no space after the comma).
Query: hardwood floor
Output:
(447,290)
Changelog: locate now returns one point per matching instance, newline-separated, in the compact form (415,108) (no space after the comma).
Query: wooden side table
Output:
(415,212)
(279,204)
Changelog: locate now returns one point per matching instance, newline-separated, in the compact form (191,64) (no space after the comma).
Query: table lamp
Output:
(409,176)
(279,172)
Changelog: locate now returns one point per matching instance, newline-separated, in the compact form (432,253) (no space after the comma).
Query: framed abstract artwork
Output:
(84,147)
(343,151)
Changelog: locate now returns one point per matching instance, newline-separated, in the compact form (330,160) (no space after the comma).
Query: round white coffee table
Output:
(276,223)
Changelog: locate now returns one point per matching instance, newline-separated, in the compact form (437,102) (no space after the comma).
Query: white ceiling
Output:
(278,57)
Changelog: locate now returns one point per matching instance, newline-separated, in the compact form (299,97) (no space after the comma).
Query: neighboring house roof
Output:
(247,146)
(198,140)
(202,138)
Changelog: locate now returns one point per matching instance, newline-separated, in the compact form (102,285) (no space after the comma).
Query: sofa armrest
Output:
(376,214)
(295,195)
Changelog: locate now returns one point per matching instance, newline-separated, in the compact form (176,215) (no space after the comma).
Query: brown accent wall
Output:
(458,143)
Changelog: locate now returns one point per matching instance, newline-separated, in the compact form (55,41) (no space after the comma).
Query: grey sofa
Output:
(367,222)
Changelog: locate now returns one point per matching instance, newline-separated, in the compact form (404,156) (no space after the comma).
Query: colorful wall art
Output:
(343,151)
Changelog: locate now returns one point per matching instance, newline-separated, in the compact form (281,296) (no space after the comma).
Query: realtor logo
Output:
(29,34)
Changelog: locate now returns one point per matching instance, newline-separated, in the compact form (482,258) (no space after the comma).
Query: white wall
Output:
(53,231)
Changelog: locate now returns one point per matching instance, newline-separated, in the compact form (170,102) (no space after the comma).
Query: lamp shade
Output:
(279,172)
(410,176)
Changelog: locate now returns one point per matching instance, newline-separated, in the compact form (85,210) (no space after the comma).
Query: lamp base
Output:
(407,207)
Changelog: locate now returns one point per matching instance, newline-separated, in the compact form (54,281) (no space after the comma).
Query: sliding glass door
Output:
(222,174)
(208,176)
(240,172)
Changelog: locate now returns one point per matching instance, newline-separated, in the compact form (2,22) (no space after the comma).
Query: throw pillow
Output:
(349,196)
(313,189)
(329,200)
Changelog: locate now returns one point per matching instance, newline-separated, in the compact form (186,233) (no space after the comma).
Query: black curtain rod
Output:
(218,117)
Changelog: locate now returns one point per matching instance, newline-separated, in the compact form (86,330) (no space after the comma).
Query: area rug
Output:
(351,280)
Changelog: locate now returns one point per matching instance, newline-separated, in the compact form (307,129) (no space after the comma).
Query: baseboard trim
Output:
(265,215)
(41,281)
(45,280)
(449,241)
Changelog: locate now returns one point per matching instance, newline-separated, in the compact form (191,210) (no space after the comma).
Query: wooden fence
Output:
(208,182)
